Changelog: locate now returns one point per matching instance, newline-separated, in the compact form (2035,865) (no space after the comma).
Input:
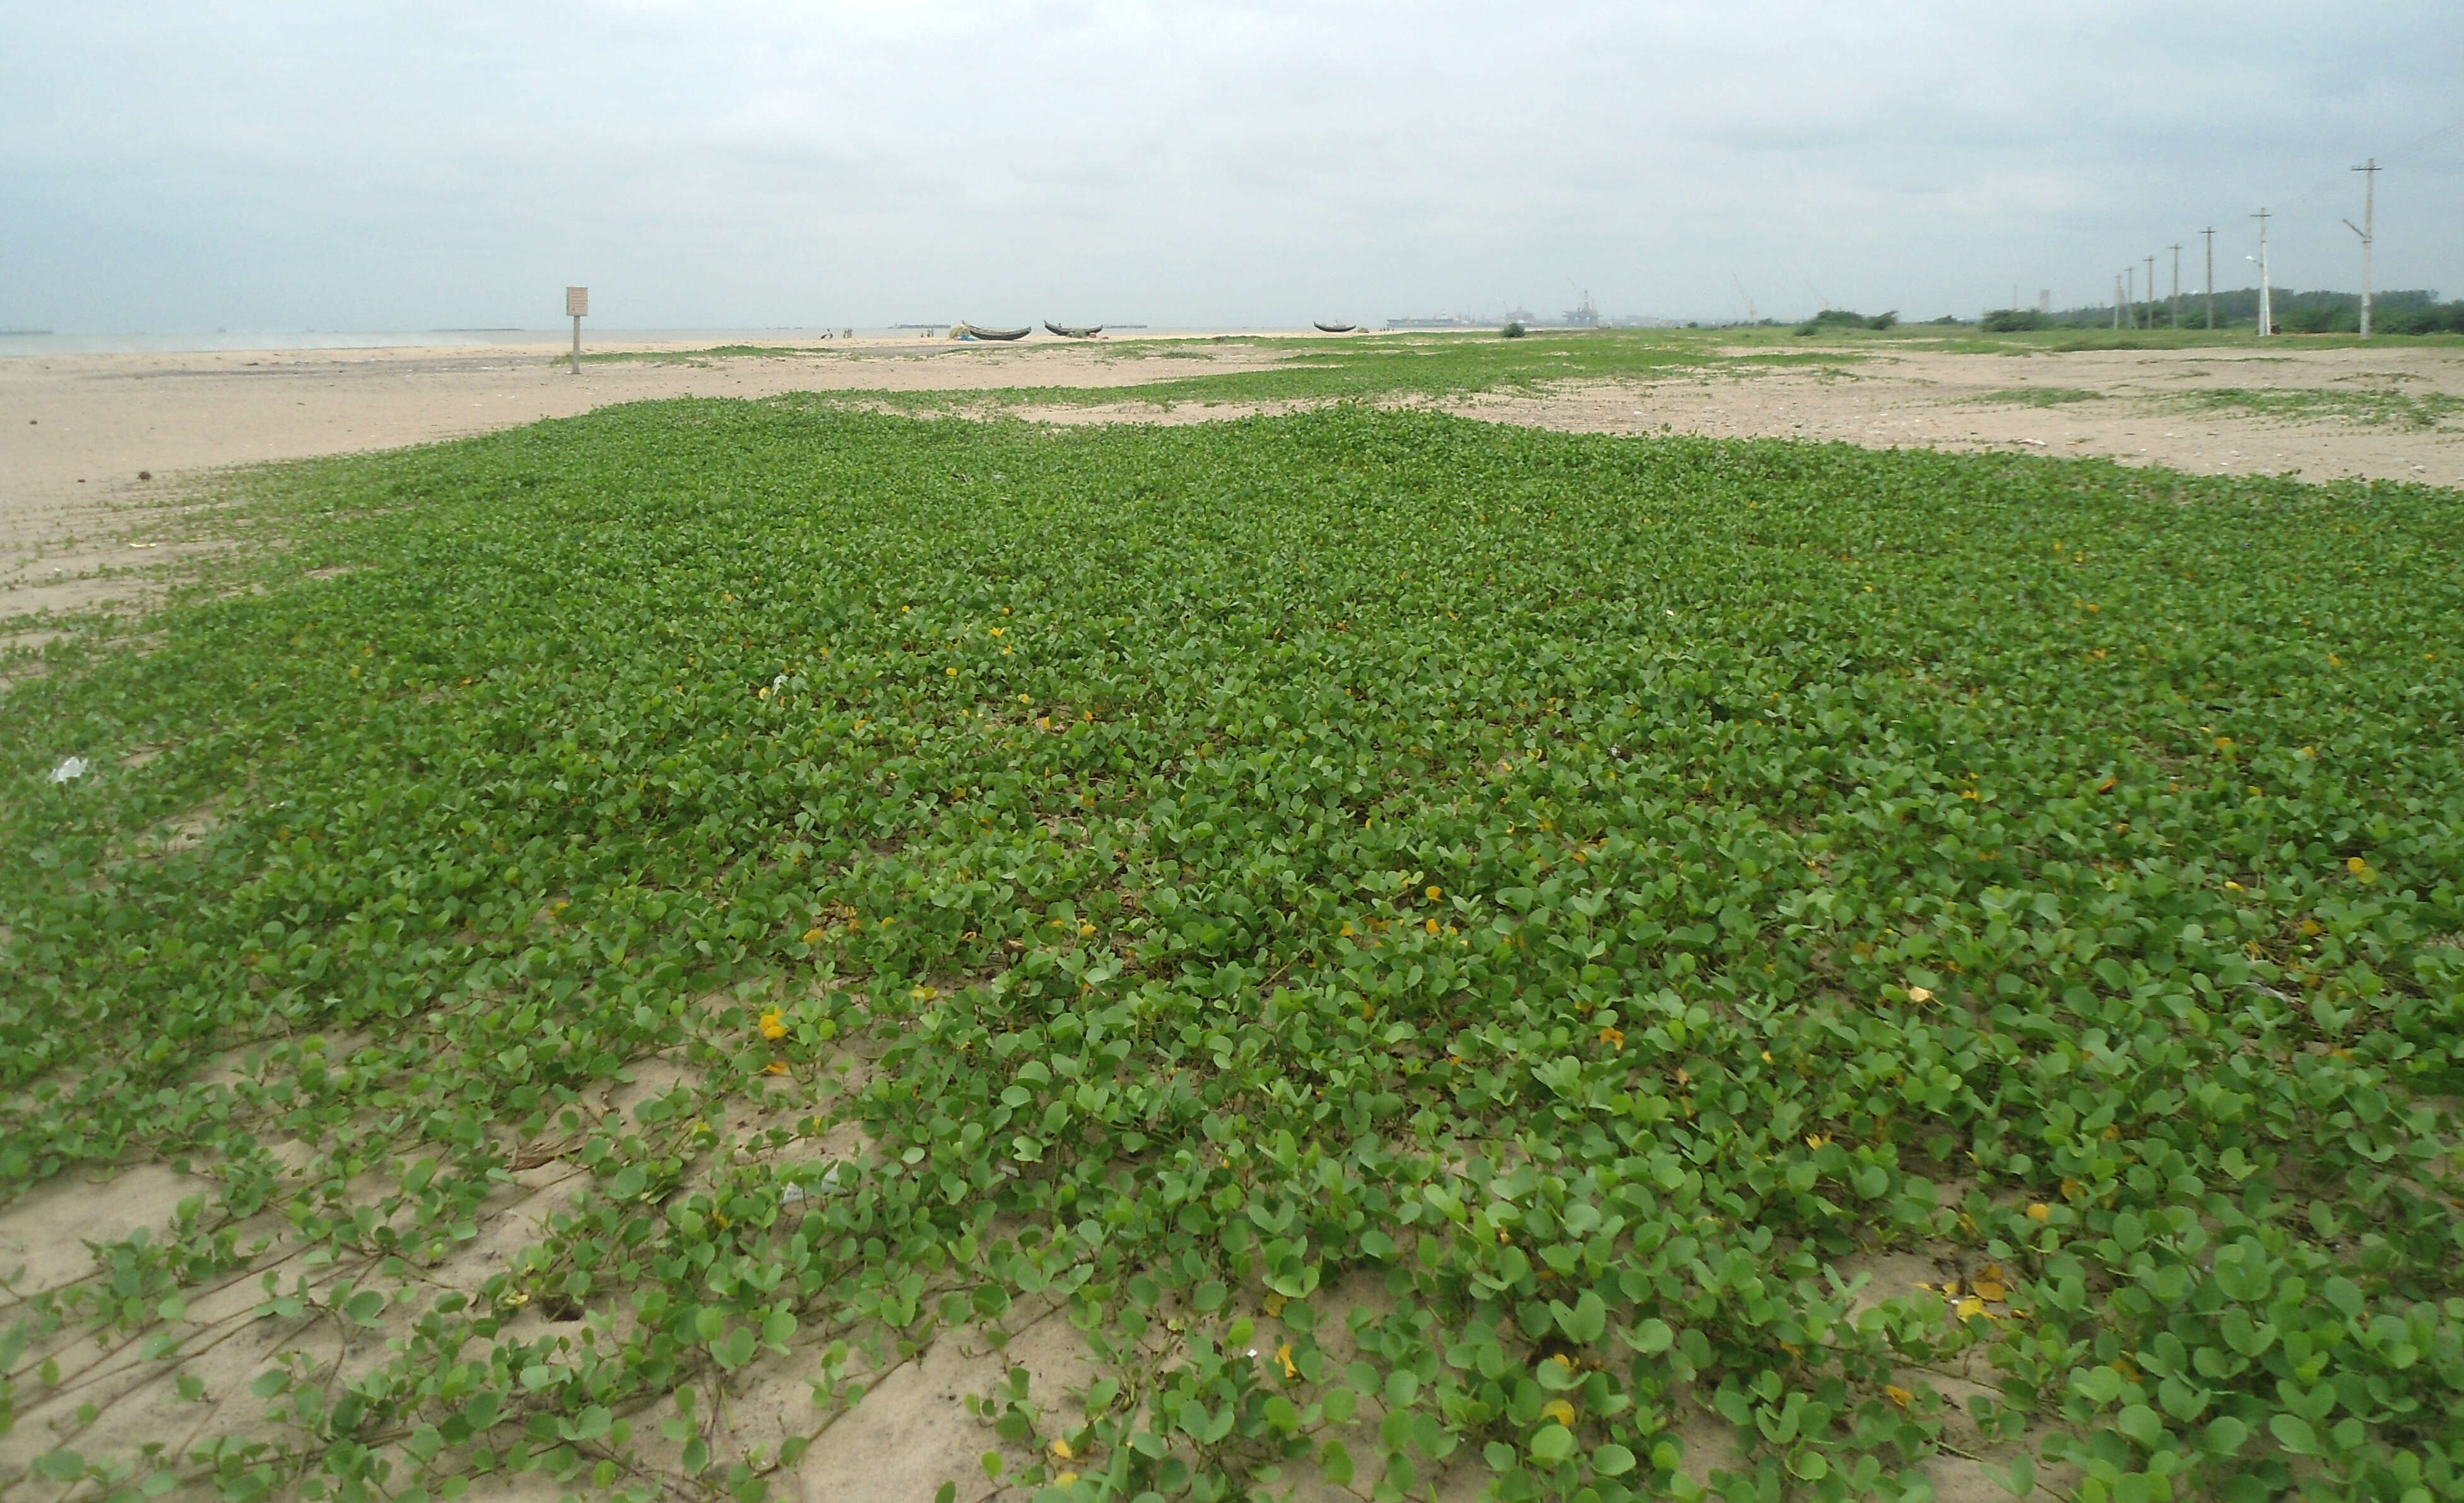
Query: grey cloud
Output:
(710,164)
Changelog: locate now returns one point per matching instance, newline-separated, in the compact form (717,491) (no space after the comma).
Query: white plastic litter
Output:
(74,767)
(831,1183)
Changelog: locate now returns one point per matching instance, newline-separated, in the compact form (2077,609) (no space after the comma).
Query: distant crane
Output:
(1749,297)
(1584,314)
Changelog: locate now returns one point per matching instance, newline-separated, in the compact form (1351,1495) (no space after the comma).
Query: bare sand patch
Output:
(2135,407)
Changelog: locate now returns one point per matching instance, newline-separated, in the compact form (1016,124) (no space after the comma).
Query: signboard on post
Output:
(577,303)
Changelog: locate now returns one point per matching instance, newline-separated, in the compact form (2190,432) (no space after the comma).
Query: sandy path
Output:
(76,431)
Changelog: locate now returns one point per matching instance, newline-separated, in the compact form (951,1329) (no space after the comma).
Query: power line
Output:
(2332,185)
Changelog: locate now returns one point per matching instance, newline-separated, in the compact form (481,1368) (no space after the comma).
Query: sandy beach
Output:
(93,448)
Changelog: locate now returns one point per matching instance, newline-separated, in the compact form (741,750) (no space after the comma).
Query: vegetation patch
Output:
(2037,396)
(1433,949)
(2389,405)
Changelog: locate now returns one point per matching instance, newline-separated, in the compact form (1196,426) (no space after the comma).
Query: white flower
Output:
(74,767)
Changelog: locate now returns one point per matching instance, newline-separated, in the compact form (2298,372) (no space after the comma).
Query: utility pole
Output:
(2210,233)
(2117,302)
(2130,292)
(2266,284)
(2177,286)
(2151,291)
(2369,205)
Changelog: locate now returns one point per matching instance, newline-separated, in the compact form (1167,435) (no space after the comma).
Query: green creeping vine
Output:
(1443,952)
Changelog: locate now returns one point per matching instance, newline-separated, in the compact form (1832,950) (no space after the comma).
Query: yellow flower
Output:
(1060,1448)
(1431,925)
(1559,1410)
(1971,1308)
(773,1024)
(1084,930)
(1613,1035)
(777,1067)
(1898,1395)
(1919,994)
(1435,893)
(2038,1210)
(813,936)
(1284,1355)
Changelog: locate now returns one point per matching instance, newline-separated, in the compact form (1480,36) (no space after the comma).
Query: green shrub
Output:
(2014,321)
(1513,330)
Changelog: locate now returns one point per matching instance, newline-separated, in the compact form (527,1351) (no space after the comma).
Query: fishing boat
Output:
(1335,328)
(1088,332)
(968,331)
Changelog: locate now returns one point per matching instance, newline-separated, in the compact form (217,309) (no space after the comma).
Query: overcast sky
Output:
(327,165)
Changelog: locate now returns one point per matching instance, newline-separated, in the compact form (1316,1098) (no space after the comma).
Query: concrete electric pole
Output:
(2369,206)
(2210,233)
(2176,300)
(2266,285)
(2151,291)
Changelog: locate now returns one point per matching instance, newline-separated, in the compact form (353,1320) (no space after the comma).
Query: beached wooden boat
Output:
(968,331)
(1335,328)
(1088,332)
